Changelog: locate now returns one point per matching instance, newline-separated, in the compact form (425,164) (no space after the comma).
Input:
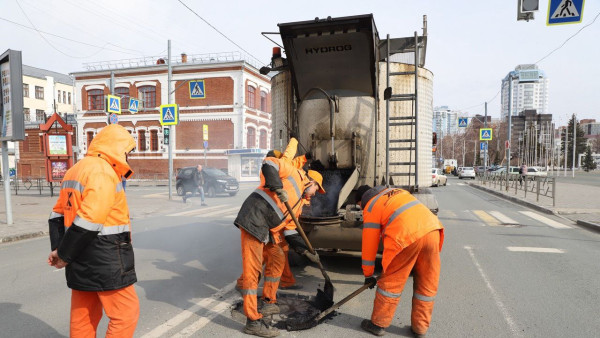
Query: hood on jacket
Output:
(112,144)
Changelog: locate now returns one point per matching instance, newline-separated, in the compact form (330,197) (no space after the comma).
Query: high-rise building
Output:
(529,90)
(445,121)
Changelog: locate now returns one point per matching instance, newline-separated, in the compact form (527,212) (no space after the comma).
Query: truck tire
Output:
(180,190)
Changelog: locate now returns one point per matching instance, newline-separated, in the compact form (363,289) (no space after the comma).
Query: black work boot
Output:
(267,309)
(417,335)
(260,328)
(368,325)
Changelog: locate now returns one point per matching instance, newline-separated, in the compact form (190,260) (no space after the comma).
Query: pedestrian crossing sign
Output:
(169,114)
(134,105)
(462,122)
(562,12)
(113,104)
(485,134)
(197,89)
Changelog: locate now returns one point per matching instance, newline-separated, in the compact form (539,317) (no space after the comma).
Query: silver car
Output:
(467,172)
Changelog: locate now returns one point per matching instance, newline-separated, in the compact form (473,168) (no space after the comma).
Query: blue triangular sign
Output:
(168,115)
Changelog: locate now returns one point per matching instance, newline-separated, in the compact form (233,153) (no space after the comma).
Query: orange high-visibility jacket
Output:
(92,202)
(399,219)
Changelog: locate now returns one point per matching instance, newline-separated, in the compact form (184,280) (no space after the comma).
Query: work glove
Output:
(282,194)
(293,134)
(371,280)
(308,156)
(312,257)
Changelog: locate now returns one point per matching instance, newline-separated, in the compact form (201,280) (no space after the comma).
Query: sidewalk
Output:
(577,202)
(30,211)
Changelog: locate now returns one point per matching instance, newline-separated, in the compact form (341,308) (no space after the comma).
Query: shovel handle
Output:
(300,230)
(343,301)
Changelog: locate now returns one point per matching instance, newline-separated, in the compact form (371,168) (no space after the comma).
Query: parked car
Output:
(438,178)
(479,169)
(458,170)
(532,172)
(467,172)
(501,171)
(215,182)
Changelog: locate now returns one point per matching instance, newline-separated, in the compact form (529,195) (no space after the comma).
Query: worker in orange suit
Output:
(412,240)
(90,235)
(287,281)
(261,219)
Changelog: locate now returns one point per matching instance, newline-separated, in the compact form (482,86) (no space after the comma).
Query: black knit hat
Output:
(360,193)
(366,193)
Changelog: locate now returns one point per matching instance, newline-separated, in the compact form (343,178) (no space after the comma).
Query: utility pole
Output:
(169,75)
(112,83)
(485,152)
(566,147)
(509,128)
(574,141)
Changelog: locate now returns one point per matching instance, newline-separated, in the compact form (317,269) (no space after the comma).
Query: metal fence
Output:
(513,183)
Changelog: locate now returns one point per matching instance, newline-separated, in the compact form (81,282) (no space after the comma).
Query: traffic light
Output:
(526,8)
(166,133)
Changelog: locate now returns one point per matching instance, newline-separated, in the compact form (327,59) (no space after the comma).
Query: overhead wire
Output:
(218,31)
(68,39)
(48,41)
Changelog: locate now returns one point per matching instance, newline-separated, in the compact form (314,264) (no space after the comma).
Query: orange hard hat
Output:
(317,177)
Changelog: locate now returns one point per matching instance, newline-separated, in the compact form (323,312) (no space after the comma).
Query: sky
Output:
(472,45)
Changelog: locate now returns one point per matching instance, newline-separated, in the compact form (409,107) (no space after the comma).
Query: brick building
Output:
(235,107)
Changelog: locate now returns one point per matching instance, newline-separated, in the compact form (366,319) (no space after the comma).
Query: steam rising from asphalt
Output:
(333,181)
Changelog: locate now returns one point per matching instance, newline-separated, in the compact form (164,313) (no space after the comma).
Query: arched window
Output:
(153,140)
(263,101)
(147,95)
(123,93)
(251,97)
(251,141)
(90,137)
(96,99)
(262,141)
(142,140)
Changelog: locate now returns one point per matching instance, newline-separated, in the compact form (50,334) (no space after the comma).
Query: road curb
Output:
(514,199)
(14,238)
(591,226)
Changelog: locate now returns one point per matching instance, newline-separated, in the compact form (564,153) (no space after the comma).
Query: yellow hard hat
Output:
(317,177)
(274,153)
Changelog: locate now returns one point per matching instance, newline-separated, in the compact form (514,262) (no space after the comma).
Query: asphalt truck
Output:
(362,106)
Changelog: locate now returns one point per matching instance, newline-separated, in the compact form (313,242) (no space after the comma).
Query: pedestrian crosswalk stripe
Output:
(485,217)
(199,210)
(503,218)
(545,220)
(532,249)
(220,212)
(446,214)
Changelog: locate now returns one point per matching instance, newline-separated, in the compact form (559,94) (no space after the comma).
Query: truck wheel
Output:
(180,191)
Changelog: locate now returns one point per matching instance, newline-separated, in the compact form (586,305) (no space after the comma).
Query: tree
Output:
(588,160)
(580,142)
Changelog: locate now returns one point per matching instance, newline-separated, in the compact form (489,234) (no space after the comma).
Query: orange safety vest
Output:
(399,219)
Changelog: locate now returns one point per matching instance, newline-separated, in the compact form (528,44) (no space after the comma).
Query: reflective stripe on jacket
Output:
(97,241)
(398,218)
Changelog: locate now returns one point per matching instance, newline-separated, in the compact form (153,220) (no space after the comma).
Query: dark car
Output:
(215,181)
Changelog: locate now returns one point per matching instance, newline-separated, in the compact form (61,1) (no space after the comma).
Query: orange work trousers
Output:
(121,306)
(424,256)
(287,277)
(252,262)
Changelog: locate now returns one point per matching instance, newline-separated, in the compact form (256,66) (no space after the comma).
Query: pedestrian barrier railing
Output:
(519,186)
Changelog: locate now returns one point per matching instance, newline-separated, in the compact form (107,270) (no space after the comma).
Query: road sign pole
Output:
(169,75)
(510,79)
(486,146)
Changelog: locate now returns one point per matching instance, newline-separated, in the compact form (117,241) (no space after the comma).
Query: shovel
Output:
(328,288)
(312,322)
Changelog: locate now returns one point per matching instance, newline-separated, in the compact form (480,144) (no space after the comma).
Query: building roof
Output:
(42,73)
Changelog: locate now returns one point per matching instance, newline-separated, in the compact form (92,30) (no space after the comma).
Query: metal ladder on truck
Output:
(404,168)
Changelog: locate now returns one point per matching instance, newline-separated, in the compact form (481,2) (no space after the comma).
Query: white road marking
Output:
(486,218)
(460,184)
(511,323)
(187,313)
(503,218)
(220,212)
(545,220)
(198,211)
(215,310)
(157,195)
(531,249)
